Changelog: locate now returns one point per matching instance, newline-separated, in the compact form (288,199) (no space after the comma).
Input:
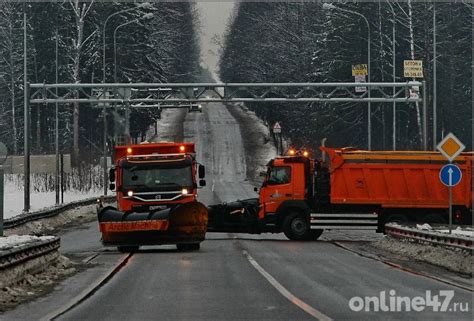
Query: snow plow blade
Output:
(184,223)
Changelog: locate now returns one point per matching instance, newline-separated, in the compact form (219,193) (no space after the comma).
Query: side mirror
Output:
(112,175)
(255,189)
(202,182)
(112,187)
(201,171)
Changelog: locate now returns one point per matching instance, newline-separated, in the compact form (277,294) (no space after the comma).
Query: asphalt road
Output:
(234,277)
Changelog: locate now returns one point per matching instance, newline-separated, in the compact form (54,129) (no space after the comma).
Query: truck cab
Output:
(285,181)
(156,187)
(286,195)
(156,176)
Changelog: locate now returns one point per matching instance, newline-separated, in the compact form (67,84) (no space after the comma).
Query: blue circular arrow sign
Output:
(450,175)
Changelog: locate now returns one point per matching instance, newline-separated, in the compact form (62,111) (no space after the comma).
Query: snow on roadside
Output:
(12,241)
(13,201)
(456,260)
(463,231)
(169,127)
(258,145)
(459,231)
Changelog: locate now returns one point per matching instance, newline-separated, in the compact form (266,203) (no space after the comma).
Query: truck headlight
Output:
(130,193)
(184,191)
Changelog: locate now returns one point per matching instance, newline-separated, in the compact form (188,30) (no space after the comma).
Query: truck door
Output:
(277,188)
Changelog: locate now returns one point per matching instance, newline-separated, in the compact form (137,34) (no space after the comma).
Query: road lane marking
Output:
(287,294)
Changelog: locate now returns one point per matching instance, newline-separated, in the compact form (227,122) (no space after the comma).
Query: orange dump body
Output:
(396,179)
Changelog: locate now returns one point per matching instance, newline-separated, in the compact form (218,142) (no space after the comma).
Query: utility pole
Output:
(435,138)
(56,129)
(26,164)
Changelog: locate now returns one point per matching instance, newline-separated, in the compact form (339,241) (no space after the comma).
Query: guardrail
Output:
(31,257)
(438,238)
(50,212)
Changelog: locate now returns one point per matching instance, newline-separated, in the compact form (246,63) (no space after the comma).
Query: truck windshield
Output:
(152,179)
(278,175)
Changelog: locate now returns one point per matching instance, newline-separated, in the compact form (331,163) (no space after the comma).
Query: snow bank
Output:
(455,260)
(13,241)
(40,200)
(459,231)
(464,231)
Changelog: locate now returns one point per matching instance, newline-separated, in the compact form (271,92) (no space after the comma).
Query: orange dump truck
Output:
(355,189)
(156,187)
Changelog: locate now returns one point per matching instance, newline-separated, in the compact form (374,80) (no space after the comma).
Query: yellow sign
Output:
(450,147)
(359,70)
(413,68)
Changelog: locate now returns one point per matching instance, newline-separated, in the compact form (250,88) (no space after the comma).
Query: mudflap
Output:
(238,217)
(181,224)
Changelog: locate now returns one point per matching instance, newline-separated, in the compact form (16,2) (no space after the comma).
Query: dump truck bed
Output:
(396,179)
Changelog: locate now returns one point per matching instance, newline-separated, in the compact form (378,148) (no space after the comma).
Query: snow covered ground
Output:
(12,241)
(463,231)
(13,201)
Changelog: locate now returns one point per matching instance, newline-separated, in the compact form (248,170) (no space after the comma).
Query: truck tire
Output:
(315,234)
(296,227)
(188,247)
(128,248)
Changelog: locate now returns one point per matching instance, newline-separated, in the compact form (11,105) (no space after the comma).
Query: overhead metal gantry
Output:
(182,95)
(155,93)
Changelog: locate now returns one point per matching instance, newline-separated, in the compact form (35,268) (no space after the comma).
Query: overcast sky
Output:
(214,17)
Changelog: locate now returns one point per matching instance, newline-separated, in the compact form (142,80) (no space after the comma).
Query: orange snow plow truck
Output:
(355,189)
(156,187)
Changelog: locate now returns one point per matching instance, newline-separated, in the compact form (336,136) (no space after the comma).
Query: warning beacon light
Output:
(292,152)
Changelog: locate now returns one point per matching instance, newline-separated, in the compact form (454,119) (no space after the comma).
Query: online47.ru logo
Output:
(392,302)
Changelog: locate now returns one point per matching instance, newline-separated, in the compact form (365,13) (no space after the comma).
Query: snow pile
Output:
(459,231)
(463,231)
(14,241)
(456,260)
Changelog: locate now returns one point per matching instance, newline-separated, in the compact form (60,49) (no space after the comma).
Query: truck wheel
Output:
(315,234)
(296,227)
(128,248)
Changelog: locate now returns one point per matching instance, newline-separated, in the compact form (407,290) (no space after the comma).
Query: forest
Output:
(316,42)
(155,42)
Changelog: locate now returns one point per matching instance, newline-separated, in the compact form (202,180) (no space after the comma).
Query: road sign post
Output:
(450,174)
(277,133)
(3,158)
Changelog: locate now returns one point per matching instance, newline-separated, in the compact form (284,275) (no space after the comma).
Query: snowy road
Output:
(219,147)
(233,276)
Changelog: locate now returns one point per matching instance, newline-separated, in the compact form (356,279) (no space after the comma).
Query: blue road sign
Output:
(450,175)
